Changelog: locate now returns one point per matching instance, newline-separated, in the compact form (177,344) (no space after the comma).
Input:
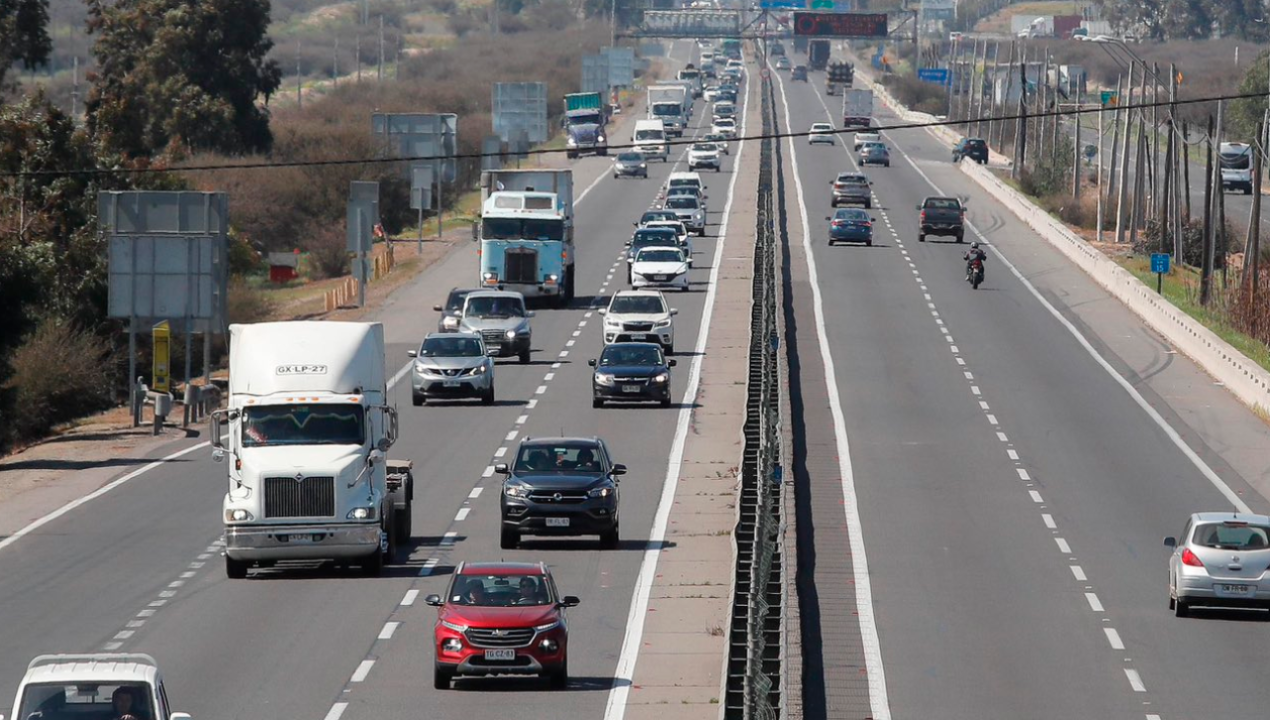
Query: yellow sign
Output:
(1179,77)
(161,336)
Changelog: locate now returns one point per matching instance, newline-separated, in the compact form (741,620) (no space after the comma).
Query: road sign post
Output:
(1160,266)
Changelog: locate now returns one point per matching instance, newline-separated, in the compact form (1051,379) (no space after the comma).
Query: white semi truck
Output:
(306,434)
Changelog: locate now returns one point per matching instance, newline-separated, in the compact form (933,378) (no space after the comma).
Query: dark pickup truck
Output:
(942,216)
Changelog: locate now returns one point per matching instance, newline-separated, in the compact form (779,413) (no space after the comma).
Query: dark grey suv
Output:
(560,486)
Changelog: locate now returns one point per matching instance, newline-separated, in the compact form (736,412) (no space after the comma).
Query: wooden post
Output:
(1253,241)
(1165,215)
(1124,165)
(1206,262)
(1139,188)
(1115,141)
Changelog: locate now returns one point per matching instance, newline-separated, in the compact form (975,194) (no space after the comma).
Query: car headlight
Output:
(547,626)
(238,515)
(452,645)
(600,138)
(454,626)
(611,323)
(362,513)
(421,368)
(643,166)
(603,379)
(663,323)
(510,334)
(572,141)
(478,370)
(661,378)
(600,492)
(516,490)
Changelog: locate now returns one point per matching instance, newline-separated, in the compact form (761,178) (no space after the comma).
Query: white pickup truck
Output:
(114,685)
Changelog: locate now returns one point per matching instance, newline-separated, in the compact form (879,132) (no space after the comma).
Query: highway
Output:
(1011,493)
(139,569)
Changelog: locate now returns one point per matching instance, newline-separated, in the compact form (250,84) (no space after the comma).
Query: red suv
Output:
(501,618)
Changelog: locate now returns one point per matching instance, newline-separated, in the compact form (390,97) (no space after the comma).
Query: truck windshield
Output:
(522,229)
(271,425)
(669,108)
(88,699)
(581,118)
(650,135)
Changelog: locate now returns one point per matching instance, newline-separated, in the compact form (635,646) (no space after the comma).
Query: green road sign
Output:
(1110,97)
(822,4)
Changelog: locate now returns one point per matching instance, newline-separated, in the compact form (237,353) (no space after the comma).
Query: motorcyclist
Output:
(974,253)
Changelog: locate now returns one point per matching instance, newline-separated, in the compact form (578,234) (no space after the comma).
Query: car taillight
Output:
(923,216)
(837,223)
(1190,558)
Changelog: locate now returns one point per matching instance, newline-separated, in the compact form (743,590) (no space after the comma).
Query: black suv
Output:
(560,486)
(974,148)
(628,371)
(451,310)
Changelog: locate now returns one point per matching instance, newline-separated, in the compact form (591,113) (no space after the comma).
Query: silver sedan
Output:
(1220,560)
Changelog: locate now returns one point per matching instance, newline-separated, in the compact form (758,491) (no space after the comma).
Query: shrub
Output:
(248,303)
(82,383)
(327,248)
(1149,241)
(916,94)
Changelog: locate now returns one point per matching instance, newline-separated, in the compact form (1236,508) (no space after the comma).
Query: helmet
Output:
(974,246)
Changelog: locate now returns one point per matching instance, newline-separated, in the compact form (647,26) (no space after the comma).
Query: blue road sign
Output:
(938,76)
(1160,262)
(783,4)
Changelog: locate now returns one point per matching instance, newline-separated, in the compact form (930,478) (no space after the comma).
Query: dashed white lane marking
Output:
(476,492)
(556,365)
(1113,637)
(1001,436)
(336,711)
(1063,547)
(952,347)
(541,389)
(1014,455)
(1049,521)
(570,343)
(1135,680)
(124,634)
(521,420)
(461,515)
(983,405)
(134,624)
(112,646)
(409,599)
(1078,572)
(512,435)
(500,452)
(532,404)
(564,353)
(577,333)
(449,538)
(429,564)
(148,612)
(176,583)
(974,389)
(389,629)
(549,377)
(157,603)
(991,418)
(188,573)
(1094,603)
(167,594)
(1153,717)
(489,470)
(1036,496)
(588,314)
(1023,474)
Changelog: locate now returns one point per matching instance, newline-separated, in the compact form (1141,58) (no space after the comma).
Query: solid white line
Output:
(1094,603)
(476,492)
(1079,573)
(615,707)
(399,375)
(461,515)
(872,647)
(1036,496)
(409,599)
(1231,496)
(1113,637)
(37,524)
(1063,547)
(362,671)
(336,711)
(1049,521)
(1023,474)
(1135,680)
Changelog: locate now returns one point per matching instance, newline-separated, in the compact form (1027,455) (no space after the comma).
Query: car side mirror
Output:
(437,308)
(873,219)
(530,313)
(671,362)
(501,468)
(412,353)
(591,362)
(491,352)
(828,218)
(173,716)
(628,243)
(434,600)
(618,469)
(674,311)
(603,311)
(1170,542)
(570,601)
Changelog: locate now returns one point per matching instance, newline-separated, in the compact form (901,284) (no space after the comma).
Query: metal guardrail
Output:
(753,688)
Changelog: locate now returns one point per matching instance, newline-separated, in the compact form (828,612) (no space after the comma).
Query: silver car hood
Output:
(452,363)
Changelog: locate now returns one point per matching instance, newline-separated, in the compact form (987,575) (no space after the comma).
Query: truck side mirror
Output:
(214,424)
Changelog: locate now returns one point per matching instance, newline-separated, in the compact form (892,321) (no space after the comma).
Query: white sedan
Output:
(704,155)
(660,267)
(725,127)
(821,133)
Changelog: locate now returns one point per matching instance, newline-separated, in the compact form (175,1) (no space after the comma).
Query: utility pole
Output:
(1102,111)
(380,70)
(1252,246)
(1005,101)
(1219,231)
(1020,134)
(1139,187)
(992,93)
(335,64)
(299,97)
(1124,165)
(357,54)
(1043,102)
(75,89)
(1115,140)
(1155,126)
(1206,262)
(1076,160)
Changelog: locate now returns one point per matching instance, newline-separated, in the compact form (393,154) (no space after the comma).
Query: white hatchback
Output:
(821,133)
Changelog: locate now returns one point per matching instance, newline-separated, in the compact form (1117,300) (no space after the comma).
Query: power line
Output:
(99,171)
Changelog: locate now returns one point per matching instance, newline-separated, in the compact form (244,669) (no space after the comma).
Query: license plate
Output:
(1235,589)
(661,277)
(450,383)
(638,336)
(503,655)
(631,388)
(557,522)
(301,538)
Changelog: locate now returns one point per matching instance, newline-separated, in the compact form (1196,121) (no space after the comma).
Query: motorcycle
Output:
(974,274)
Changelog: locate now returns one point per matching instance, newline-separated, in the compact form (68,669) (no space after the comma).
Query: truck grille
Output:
(520,265)
(499,637)
(493,337)
(310,497)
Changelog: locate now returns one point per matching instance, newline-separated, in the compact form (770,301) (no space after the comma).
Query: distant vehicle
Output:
(652,215)
(724,110)
(704,155)
(692,212)
(821,133)
(859,139)
(857,109)
(850,189)
(694,192)
(875,153)
(660,267)
(783,63)
(99,685)
(630,164)
(631,371)
(798,74)
(711,93)
(941,216)
(719,140)
(648,237)
(725,127)
(689,179)
(500,318)
(561,486)
(501,618)
(650,139)
(1236,166)
(839,74)
(974,148)
(818,54)
(452,365)
(1220,560)
(526,233)
(640,316)
(669,104)
(694,75)
(683,238)
(584,120)
(451,310)
(850,225)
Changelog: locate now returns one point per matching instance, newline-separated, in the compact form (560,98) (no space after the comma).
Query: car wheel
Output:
(508,539)
(373,566)
(597,402)
(441,677)
(616,176)
(235,569)
(669,349)
(869,242)
(609,540)
(960,238)
(403,525)
(665,402)
(830,242)
(524,356)
(559,678)
(683,288)
(868,205)
(418,400)
(1181,608)
(488,397)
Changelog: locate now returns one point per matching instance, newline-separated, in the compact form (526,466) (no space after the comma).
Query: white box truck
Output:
(669,104)
(857,109)
(307,429)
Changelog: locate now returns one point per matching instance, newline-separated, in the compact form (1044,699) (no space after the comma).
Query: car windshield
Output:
(852,215)
(821,127)
(650,135)
(941,204)
(499,306)
(630,158)
(659,255)
(455,301)
(451,347)
(333,424)
(688,190)
(852,180)
(682,202)
(501,590)
(85,700)
(714,137)
(559,458)
(676,227)
(655,215)
(724,122)
(1232,536)
(703,147)
(621,354)
(649,236)
(875,147)
(636,305)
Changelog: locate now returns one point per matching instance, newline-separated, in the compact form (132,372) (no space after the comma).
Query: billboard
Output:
(840,25)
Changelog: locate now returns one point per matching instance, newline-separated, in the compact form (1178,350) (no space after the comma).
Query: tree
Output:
(1244,113)
(1244,19)
(24,34)
(180,75)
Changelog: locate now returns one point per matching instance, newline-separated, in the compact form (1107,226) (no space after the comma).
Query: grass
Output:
(1181,287)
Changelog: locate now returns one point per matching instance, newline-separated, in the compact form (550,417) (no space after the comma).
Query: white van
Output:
(1236,166)
(650,139)
(688,179)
